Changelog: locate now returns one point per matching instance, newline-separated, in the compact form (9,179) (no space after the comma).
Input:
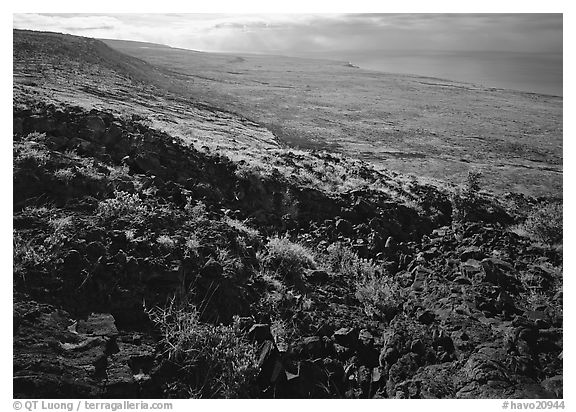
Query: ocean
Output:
(529,72)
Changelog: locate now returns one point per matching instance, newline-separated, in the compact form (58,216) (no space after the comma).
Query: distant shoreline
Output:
(489,70)
(444,79)
(522,72)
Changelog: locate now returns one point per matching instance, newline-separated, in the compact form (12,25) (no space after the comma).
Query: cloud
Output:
(71,23)
(295,33)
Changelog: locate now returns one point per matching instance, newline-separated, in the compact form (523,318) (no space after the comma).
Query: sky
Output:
(295,34)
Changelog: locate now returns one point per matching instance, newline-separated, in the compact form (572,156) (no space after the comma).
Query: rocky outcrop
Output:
(451,339)
(85,358)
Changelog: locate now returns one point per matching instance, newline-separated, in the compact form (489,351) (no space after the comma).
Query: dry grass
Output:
(545,224)
(288,259)
(380,295)
(215,360)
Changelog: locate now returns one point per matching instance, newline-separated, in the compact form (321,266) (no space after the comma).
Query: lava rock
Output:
(554,385)
(259,333)
(317,276)
(212,269)
(313,346)
(418,347)
(269,364)
(98,324)
(95,127)
(344,228)
(472,252)
(347,337)
(95,250)
(462,280)
(426,317)
(388,356)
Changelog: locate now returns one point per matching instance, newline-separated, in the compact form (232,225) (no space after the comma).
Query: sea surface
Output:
(529,72)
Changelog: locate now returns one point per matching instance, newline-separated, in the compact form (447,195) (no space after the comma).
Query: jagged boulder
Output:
(55,355)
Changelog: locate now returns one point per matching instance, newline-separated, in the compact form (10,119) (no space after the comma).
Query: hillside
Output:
(423,126)
(168,245)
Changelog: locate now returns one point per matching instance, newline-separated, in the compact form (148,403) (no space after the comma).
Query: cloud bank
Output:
(308,33)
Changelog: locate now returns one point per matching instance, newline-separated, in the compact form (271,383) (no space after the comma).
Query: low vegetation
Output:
(466,201)
(545,223)
(380,295)
(287,259)
(211,361)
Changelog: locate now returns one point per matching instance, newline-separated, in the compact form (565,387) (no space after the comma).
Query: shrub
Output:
(289,259)
(230,263)
(282,332)
(119,172)
(27,255)
(279,302)
(123,204)
(380,296)
(30,154)
(251,233)
(343,260)
(545,223)
(166,242)
(192,244)
(65,175)
(63,232)
(196,210)
(216,361)
(473,182)
(466,201)
(289,205)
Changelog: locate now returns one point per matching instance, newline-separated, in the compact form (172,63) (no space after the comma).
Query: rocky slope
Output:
(146,265)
